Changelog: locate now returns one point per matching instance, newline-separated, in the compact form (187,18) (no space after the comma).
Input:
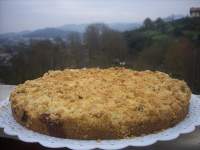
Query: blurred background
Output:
(37,36)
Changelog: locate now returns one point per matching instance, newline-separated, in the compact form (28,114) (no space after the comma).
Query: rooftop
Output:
(194,9)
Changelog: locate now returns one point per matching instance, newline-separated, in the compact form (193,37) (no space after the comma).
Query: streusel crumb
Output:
(100,103)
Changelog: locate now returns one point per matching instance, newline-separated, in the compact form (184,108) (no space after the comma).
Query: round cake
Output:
(97,103)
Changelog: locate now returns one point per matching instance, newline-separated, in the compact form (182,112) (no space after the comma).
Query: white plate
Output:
(12,128)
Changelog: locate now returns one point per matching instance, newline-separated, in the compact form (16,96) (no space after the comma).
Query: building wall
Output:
(195,14)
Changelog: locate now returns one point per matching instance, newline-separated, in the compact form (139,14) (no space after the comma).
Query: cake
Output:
(95,103)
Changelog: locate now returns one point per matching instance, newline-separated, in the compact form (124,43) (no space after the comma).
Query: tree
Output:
(93,42)
(177,57)
(148,24)
(105,45)
(151,57)
(75,46)
(114,46)
(160,25)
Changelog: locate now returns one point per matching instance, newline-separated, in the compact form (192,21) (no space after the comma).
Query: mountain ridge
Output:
(67,28)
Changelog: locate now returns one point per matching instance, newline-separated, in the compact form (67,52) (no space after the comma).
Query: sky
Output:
(20,15)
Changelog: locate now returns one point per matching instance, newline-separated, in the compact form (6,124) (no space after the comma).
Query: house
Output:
(195,12)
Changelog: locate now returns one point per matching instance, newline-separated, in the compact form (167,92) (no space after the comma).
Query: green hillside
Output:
(172,47)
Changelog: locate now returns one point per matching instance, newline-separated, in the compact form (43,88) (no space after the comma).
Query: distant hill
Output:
(63,31)
(74,27)
(173,17)
(124,26)
(47,33)
(116,26)
(25,36)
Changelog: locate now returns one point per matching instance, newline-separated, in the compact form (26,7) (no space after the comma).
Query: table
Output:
(184,142)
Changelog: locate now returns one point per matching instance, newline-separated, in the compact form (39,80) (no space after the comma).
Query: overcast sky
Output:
(19,15)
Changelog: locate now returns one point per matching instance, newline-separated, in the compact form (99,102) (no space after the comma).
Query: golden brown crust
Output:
(100,103)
